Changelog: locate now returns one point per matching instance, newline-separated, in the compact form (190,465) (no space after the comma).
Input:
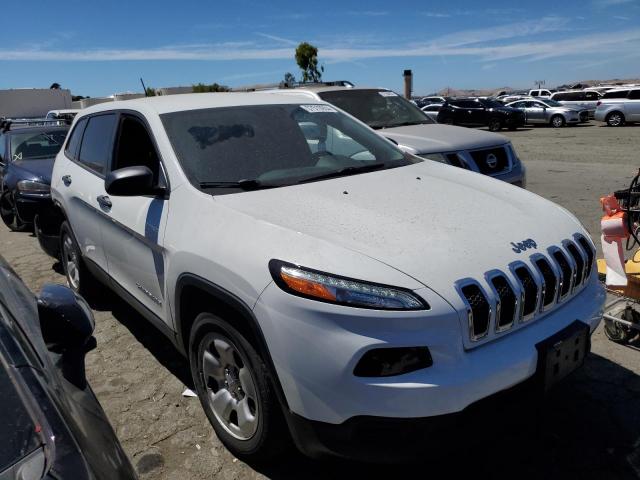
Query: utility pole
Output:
(540,83)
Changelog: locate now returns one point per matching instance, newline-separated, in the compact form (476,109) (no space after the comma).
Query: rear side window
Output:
(71,149)
(97,143)
(618,94)
(592,95)
(634,95)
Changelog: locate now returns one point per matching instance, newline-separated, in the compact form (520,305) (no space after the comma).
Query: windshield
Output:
(491,103)
(377,108)
(551,103)
(274,145)
(34,145)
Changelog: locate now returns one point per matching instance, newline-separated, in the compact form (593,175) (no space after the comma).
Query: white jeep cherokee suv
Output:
(320,281)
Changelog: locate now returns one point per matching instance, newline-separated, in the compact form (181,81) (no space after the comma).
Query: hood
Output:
(37,169)
(437,138)
(436,223)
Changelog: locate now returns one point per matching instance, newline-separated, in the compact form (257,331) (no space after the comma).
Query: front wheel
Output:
(234,389)
(495,125)
(557,121)
(9,213)
(615,119)
(79,278)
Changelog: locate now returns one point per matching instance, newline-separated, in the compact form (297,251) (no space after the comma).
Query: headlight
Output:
(436,157)
(328,288)
(29,186)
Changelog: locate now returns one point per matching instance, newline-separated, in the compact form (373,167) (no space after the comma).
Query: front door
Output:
(536,112)
(134,238)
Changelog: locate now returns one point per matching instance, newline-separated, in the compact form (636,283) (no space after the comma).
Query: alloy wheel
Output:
(8,210)
(615,120)
(71,262)
(229,385)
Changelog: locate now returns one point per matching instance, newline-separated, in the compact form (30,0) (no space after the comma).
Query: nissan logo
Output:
(492,160)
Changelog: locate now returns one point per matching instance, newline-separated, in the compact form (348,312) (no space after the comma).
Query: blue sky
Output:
(100,48)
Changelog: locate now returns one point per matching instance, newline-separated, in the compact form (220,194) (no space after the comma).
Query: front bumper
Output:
(315,346)
(28,205)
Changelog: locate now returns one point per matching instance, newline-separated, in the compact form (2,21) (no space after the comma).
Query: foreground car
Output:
(550,112)
(52,425)
(475,112)
(26,162)
(414,131)
(320,281)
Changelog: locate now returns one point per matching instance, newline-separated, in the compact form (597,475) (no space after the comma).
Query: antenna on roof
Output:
(144,89)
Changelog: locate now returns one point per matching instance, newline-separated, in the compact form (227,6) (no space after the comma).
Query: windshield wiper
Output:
(245,184)
(343,172)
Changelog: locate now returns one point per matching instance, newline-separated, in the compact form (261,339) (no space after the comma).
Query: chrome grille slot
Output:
(550,282)
(478,309)
(589,253)
(567,273)
(529,292)
(507,305)
(579,262)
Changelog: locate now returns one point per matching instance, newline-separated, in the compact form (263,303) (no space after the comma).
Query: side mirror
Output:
(131,182)
(67,327)
(66,320)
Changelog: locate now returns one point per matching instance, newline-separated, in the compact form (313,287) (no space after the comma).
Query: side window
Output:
(592,95)
(535,93)
(97,143)
(634,95)
(135,147)
(3,149)
(71,149)
(619,94)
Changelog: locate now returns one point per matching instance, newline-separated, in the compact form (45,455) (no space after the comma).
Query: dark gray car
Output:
(550,112)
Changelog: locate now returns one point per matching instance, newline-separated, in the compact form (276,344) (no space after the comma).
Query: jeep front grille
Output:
(550,286)
(529,291)
(586,247)
(478,311)
(567,273)
(578,260)
(506,305)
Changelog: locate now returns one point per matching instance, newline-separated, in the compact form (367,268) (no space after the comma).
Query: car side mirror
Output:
(131,182)
(67,326)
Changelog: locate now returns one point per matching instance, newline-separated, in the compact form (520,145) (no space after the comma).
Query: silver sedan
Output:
(550,112)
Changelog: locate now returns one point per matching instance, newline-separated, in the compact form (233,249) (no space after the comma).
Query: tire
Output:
(615,119)
(237,381)
(79,278)
(9,213)
(557,121)
(495,125)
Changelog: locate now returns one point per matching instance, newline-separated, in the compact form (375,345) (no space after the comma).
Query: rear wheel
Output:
(557,121)
(495,125)
(9,213)
(78,276)
(615,119)
(235,391)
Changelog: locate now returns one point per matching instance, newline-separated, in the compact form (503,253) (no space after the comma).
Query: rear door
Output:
(134,237)
(81,182)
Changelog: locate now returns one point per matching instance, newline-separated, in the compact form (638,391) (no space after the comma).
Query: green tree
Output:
(214,87)
(307,60)
(289,79)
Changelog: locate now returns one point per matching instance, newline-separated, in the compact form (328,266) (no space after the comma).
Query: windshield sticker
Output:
(319,108)
(17,156)
(386,93)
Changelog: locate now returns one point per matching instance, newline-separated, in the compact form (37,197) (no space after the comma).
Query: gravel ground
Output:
(589,427)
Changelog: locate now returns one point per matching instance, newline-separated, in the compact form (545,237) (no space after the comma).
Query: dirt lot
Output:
(588,428)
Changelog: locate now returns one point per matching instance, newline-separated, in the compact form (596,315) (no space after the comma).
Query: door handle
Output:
(104,201)
(66,179)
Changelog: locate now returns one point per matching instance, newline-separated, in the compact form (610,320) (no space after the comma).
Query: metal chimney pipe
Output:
(408,84)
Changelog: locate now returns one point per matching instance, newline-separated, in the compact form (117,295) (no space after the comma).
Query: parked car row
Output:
(321,286)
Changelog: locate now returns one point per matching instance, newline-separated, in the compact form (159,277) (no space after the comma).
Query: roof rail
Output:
(7,123)
(285,85)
